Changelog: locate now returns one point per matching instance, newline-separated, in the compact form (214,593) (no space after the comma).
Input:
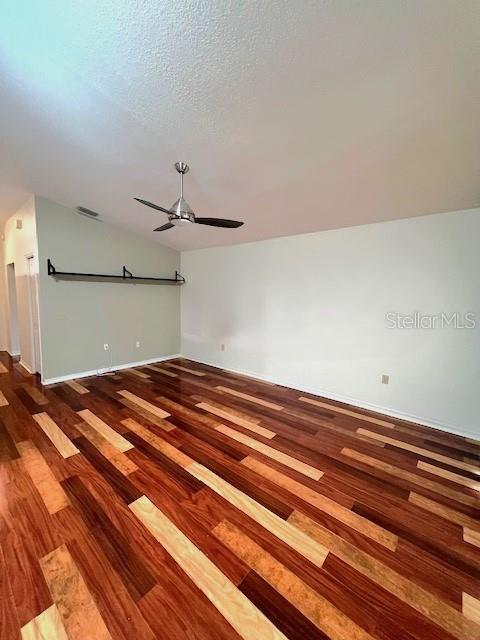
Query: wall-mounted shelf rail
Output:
(126,276)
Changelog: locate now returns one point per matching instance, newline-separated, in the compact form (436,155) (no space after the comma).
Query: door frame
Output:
(34,310)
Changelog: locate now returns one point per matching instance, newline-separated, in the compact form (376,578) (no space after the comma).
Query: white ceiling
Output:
(294,116)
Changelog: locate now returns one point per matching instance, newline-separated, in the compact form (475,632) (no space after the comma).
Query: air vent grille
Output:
(87,212)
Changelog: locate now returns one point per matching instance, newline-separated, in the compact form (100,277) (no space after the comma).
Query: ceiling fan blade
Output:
(219,222)
(154,206)
(164,227)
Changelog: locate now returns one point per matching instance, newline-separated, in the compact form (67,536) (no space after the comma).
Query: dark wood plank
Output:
(283,614)
(121,484)
(135,575)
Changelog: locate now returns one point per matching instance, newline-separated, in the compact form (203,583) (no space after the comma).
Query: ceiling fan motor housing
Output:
(181,210)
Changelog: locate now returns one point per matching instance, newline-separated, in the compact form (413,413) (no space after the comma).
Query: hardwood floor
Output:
(182,501)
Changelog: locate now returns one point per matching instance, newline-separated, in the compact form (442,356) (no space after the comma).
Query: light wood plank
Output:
(449,475)
(244,414)
(64,445)
(310,603)
(246,396)
(200,374)
(251,426)
(106,448)
(144,404)
(115,439)
(444,512)
(282,530)
(410,477)
(22,369)
(161,370)
(3,368)
(420,451)
(3,400)
(36,395)
(252,378)
(353,520)
(270,452)
(471,607)
(348,412)
(47,625)
(409,592)
(139,374)
(160,422)
(76,386)
(47,485)
(161,445)
(237,609)
(472,537)
(75,603)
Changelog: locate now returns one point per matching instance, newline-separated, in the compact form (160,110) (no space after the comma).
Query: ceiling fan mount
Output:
(181,213)
(182,167)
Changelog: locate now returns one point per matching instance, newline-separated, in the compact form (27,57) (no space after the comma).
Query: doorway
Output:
(14,344)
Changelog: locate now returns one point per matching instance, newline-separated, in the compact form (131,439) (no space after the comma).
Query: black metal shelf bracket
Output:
(127,276)
(51,268)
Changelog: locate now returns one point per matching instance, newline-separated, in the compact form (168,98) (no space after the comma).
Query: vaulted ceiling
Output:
(294,116)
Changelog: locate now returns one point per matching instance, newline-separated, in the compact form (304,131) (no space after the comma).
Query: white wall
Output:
(3,299)
(309,311)
(78,318)
(19,243)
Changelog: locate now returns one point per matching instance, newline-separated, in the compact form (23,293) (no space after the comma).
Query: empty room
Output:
(240,320)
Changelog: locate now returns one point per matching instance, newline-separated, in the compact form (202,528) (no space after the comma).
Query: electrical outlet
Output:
(106,347)
(137,344)
(385,379)
(222,347)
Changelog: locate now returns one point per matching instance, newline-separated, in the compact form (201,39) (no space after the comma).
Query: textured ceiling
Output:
(294,116)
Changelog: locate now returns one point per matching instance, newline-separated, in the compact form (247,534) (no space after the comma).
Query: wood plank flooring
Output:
(181,501)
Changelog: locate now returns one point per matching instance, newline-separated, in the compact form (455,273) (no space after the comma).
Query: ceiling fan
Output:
(180,213)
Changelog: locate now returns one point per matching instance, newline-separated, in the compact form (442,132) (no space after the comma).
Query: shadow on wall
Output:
(236,331)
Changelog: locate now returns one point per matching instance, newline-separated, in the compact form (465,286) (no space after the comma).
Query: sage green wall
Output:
(77,318)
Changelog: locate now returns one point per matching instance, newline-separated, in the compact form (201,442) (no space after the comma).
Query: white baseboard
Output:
(354,402)
(116,367)
(25,366)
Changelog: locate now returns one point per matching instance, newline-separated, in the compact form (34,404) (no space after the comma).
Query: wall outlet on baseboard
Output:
(137,344)
(106,346)
(385,378)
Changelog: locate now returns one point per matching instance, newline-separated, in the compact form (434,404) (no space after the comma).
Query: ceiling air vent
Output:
(87,212)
